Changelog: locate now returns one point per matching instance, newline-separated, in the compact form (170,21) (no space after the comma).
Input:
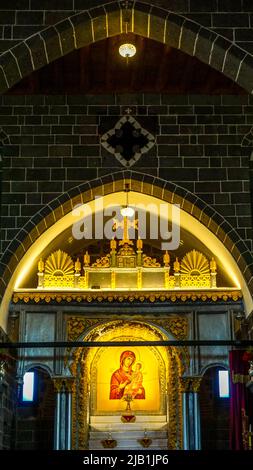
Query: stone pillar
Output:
(191,413)
(63,412)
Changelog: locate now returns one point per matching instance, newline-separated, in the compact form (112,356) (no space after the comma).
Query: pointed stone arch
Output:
(146,20)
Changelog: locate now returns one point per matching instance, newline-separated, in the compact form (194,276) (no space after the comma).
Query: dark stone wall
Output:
(8,395)
(8,400)
(55,145)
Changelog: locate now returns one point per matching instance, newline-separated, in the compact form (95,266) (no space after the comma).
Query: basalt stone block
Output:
(157,24)
(38,174)
(141,19)
(66,32)
(233,61)
(189,37)
(100,29)
(7,17)
(198,5)
(50,5)
(52,43)
(37,48)
(28,17)
(11,72)
(15,5)
(83,29)
(219,49)
(245,77)
(232,20)
(77,174)
(173,30)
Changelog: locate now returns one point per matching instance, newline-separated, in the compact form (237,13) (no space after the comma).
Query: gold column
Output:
(190,383)
(139,245)
(77,272)
(177,273)
(166,278)
(139,278)
(113,280)
(64,387)
(191,416)
(213,269)
(113,245)
(41,267)
(86,279)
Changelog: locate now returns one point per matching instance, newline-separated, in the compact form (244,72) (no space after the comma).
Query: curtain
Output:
(240,398)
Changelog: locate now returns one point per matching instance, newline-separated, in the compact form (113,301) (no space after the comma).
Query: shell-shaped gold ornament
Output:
(194,263)
(59,263)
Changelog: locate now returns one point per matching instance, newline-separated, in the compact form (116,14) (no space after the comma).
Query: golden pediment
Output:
(126,266)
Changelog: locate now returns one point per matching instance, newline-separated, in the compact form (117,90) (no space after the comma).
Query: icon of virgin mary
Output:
(123,377)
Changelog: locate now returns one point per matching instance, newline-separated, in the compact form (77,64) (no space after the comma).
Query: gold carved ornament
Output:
(141,296)
(239,378)
(64,384)
(175,440)
(190,383)
(178,327)
(76,326)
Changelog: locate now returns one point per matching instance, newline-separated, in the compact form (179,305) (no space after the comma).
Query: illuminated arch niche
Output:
(188,223)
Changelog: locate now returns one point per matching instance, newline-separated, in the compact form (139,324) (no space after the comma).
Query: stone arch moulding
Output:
(56,216)
(145,20)
(36,365)
(223,365)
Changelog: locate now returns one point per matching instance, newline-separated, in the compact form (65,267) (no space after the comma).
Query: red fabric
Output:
(238,401)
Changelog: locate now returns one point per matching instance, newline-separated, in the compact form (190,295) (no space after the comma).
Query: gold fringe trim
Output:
(183,296)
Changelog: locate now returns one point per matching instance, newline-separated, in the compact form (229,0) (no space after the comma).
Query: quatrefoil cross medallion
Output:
(127,141)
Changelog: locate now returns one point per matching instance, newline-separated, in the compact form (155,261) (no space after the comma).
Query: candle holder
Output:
(109,443)
(250,434)
(145,441)
(128,416)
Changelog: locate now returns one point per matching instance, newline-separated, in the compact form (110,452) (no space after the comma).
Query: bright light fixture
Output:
(28,387)
(127,50)
(223,384)
(127,211)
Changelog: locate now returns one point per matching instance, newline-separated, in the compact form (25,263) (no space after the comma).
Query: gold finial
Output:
(176,266)
(166,259)
(77,266)
(139,244)
(86,259)
(113,244)
(41,265)
(213,265)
